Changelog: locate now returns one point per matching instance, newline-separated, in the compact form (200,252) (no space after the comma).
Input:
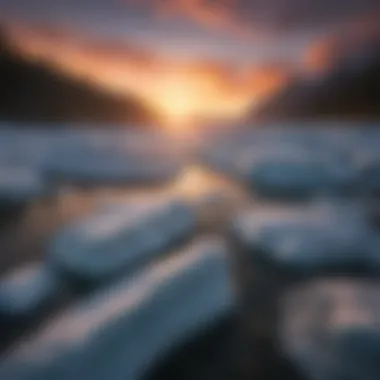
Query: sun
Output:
(178,101)
(178,108)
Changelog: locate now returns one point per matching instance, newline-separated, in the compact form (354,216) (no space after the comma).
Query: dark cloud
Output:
(242,17)
(250,17)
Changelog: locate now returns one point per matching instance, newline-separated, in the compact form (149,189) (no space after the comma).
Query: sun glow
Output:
(176,100)
(181,92)
(184,99)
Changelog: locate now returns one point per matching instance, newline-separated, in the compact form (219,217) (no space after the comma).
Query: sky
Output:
(168,26)
(188,57)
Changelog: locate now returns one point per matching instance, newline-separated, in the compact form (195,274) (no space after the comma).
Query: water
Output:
(83,171)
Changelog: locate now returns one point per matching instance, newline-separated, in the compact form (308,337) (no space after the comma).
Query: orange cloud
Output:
(222,15)
(179,90)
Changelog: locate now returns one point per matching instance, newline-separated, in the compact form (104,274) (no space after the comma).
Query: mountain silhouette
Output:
(350,89)
(32,91)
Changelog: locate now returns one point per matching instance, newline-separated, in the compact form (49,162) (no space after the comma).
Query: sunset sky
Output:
(186,57)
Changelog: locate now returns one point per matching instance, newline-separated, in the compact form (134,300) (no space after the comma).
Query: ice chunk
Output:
(369,175)
(27,291)
(88,167)
(120,331)
(300,175)
(330,328)
(278,162)
(114,158)
(310,238)
(20,184)
(121,238)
